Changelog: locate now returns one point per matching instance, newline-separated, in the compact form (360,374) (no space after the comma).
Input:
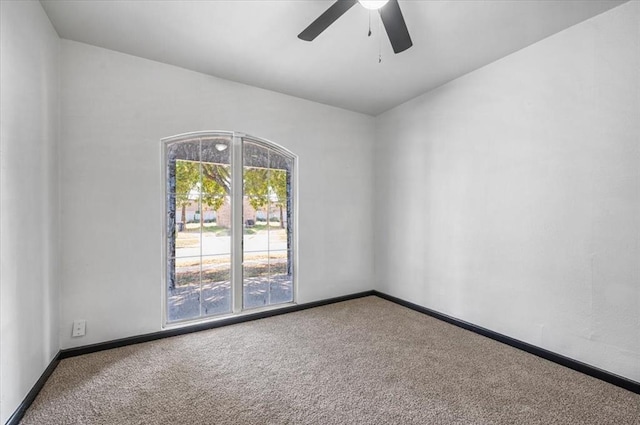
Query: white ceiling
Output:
(255,42)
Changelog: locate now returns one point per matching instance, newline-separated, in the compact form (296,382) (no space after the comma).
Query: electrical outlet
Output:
(79,327)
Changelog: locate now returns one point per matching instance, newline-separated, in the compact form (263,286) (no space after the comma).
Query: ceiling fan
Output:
(389,13)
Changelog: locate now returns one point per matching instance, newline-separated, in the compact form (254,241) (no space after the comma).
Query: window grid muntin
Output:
(235,141)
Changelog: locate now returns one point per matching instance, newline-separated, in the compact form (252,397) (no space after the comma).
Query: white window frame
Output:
(237,139)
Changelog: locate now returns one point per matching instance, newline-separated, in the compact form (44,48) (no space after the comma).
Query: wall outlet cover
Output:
(79,328)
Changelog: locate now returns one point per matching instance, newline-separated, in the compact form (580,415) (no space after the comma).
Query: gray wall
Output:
(29,304)
(115,110)
(510,197)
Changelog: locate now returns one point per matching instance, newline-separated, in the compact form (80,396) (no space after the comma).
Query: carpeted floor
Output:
(366,361)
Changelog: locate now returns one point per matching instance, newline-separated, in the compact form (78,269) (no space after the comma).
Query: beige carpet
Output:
(366,361)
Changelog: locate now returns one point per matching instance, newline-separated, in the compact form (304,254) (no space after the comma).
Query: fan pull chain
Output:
(379,42)
(369,35)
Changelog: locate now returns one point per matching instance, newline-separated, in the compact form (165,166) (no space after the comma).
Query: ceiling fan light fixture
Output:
(390,16)
(372,4)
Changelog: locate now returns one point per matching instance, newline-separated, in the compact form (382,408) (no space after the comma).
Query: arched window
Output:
(229,220)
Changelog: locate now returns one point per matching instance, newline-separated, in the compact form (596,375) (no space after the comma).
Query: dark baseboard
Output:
(72,352)
(593,371)
(22,408)
(611,378)
(86,349)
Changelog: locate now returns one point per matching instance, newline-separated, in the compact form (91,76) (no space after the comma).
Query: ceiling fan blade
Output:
(336,10)
(396,28)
